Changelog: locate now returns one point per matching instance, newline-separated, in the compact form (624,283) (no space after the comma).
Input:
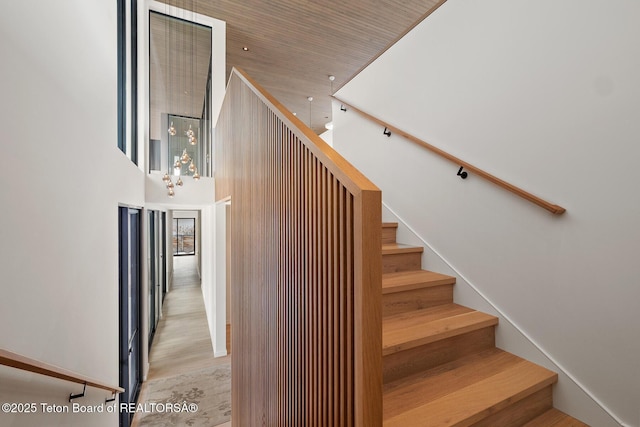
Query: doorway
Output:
(129,308)
(157,268)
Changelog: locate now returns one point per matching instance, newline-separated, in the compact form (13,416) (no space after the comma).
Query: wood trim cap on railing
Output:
(339,166)
(555,209)
(19,361)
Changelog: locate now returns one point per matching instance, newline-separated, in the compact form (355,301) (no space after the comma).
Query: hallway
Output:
(182,352)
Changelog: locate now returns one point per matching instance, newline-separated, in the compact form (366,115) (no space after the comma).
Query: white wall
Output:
(191,193)
(220,301)
(327,137)
(213,292)
(546,96)
(64,178)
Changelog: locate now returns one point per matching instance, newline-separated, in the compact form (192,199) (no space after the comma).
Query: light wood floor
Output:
(182,342)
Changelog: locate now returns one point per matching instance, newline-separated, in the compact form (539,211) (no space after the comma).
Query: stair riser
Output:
(389,234)
(520,412)
(414,360)
(392,263)
(403,302)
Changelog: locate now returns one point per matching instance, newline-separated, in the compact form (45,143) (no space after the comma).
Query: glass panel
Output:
(180,90)
(155,156)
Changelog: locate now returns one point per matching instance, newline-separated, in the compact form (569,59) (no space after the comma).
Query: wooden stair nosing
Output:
(474,402)
(423,316)
(555,418)
(389,225)
(414,279)
(404,331)
(396,248)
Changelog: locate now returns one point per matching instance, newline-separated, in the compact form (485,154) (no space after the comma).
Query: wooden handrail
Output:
(555,209)
(19,361)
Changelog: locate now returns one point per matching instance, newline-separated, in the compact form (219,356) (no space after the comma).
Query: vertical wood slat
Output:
(305,270)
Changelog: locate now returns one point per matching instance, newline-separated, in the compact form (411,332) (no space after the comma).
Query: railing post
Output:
(368,309)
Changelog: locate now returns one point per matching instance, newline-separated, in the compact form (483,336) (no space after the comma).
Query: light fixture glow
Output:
(185,157)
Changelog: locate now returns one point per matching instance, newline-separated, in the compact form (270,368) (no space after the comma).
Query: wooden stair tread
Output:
(410,280)
(408,330)
(441,367)
(425,386)
(397,248)
(555,418)
(484,385)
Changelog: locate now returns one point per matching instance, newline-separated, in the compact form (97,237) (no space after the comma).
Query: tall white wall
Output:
(213,289)
(64,178)
(220,299)
(545,95)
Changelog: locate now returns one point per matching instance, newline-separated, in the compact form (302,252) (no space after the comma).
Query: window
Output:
(127,78)
(179,92)
(184,236)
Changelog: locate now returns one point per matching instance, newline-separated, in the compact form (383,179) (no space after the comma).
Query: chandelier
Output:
(182,161)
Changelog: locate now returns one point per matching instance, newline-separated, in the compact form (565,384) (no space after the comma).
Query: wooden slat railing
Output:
(555,209)
(19,361)
(305,270)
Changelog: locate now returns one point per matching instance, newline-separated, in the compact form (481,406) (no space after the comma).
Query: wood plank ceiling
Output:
(294,45)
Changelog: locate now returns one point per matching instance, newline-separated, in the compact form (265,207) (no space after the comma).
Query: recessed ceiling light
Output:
(295,114)
(245,48)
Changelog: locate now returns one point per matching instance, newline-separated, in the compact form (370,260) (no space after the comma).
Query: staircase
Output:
(440,363)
